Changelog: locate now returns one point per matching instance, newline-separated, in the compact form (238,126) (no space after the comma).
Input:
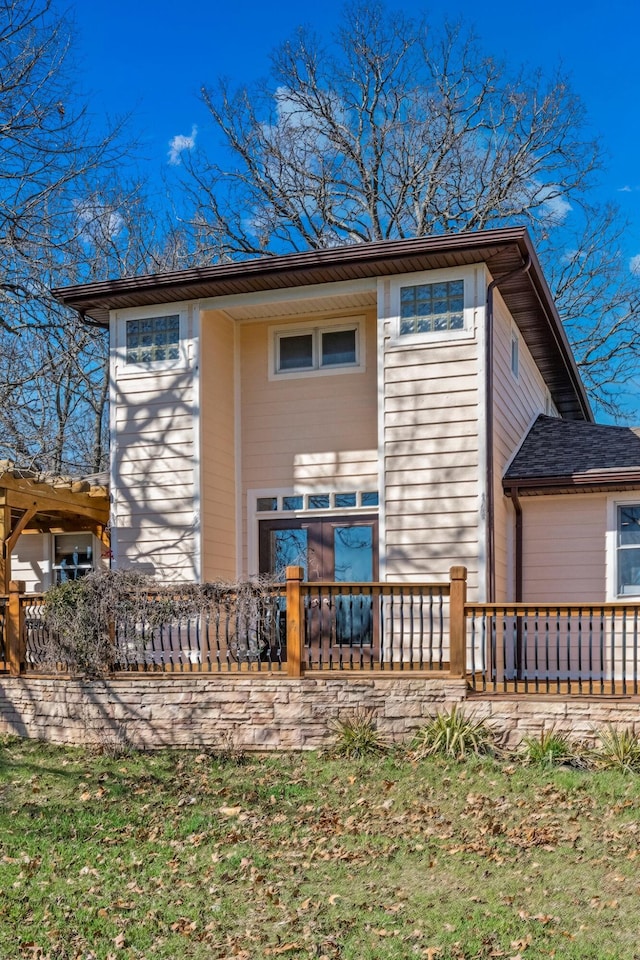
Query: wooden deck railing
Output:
(554,648)
(307,628)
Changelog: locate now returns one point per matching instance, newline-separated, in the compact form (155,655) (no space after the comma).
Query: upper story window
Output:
(430,307)
(153,339)
(313,350)
(628,549)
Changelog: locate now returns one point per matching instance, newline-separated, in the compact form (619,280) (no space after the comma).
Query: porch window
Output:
(432,307)
(73,556)
(628,550)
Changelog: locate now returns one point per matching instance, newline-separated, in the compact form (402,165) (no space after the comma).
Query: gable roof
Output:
(503,250)
(563,455)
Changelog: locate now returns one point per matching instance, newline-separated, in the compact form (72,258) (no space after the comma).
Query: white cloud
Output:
(634,265)
(180,143)
(98,219)
(625,189)
(556,209)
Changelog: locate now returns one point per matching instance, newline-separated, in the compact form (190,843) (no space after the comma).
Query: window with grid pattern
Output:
(430,307)
(153,339)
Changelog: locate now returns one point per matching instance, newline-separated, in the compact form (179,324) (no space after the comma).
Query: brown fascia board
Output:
(501,249)
(577,482)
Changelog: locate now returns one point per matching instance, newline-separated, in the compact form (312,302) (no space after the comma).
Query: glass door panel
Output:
(353,561)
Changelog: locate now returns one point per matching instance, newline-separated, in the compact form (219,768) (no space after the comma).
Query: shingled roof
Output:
(562,455)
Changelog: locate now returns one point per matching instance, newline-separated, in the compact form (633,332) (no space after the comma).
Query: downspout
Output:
(488,348)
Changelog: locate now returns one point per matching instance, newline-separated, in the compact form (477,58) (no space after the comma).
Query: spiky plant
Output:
(356,735)
(548,749)
(452,734)
(618,749)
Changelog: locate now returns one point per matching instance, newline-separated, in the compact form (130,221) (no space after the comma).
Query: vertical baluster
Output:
(402,629)
(569,659)
(579,631)
(525,650)
(623,614)
(601,646)
(613,651)
(635,650)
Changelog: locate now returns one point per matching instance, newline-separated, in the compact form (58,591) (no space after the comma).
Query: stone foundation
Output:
(249,713)
(273,713)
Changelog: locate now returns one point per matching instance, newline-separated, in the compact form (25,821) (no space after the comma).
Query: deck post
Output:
(457,623)
(14,634)
(295,621)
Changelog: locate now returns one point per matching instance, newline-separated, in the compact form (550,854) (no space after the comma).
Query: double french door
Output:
(336,549)
(330,549)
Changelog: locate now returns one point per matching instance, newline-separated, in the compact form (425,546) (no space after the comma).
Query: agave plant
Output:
(548,749)
(618,749)
(356,735)
(452,734)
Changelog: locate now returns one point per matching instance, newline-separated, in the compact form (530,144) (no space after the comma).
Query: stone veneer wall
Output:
(262,713)
(250,713)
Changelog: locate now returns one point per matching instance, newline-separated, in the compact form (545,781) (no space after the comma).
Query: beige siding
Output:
(218,430)
(306,434)
(517,401)
(564,548)
(154,456)
(31,561)
(431,458)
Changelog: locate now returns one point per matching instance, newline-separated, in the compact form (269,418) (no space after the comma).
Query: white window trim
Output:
(466,332)
(317,328)
(612,546)
(122,317)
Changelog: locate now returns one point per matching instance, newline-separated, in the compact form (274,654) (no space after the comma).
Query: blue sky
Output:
(150,59)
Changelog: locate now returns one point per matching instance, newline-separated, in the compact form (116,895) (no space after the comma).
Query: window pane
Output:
(288,548)
(267,503)
(370,499)
(345,499)
(629,572)
(292,503)
(353,554)
(319,501)
(629,525)
(432,306)
(296,352)
(338,347)
(153,339)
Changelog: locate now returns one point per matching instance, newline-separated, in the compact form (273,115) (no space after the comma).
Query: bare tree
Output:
(68,214)
(396,130)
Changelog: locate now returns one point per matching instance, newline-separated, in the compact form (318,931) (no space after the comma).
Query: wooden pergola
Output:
(36,503)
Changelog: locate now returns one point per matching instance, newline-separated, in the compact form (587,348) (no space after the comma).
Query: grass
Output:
(175,855)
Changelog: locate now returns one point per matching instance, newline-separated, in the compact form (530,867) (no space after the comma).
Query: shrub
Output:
(452,734)
(618,749)
(548,749)
(356,735)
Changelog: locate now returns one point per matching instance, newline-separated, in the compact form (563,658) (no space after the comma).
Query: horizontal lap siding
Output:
(564,548)
(153,425)
(218,481)
(431,457)
(310,434)
(517,401)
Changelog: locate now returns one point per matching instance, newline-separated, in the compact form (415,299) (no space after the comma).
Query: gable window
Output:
(628,549)
(313,350)
(153,339)
(515,355)
(432,307)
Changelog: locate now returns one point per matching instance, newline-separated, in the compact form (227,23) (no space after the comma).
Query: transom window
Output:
(153,339)
(628,550)
(431,307)
(317,501)
(317,349)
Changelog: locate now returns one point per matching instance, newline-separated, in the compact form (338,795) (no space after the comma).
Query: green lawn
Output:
(176,855)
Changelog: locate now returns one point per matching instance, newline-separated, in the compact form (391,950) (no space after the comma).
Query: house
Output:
(380,411)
